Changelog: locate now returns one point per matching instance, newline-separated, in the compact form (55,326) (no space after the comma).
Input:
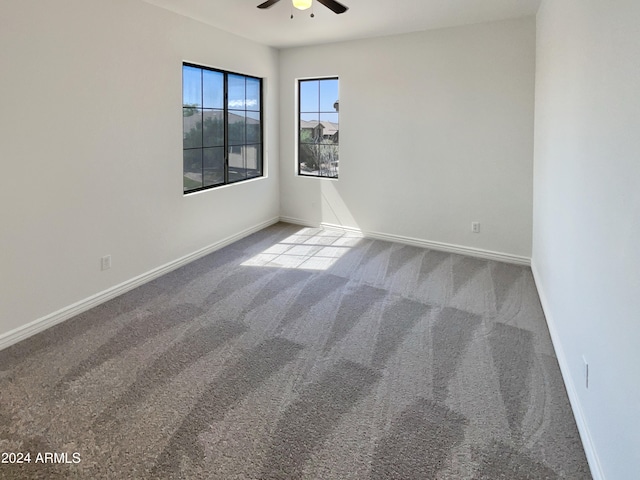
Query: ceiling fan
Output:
(333,5)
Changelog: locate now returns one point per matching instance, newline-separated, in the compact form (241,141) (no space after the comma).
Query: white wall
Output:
(587,216)
(436,131)
(90,148)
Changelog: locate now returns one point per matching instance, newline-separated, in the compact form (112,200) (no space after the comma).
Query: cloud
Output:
(242,104)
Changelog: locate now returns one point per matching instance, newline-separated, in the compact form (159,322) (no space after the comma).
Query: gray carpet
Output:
(299,353)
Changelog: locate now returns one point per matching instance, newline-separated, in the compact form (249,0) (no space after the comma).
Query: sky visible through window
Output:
(205,89)
(317,98)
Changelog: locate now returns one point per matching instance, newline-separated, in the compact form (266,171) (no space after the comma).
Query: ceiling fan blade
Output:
(337,7)
(268,3)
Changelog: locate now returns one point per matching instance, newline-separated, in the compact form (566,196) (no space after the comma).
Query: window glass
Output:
(309,96)
(253,100)
(212,89)
(192,86)
(236,92)
(328,95)
(319,125)
(236,128)
(222,141)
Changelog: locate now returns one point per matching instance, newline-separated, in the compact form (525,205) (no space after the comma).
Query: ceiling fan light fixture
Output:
(302,4)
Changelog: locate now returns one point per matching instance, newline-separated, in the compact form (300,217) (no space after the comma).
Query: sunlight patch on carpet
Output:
(310,251)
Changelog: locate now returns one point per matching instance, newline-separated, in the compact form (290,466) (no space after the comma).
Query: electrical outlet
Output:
(586,372)
(475,227)
(105,262)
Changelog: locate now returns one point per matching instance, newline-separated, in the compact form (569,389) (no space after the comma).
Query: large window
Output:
(222,127)
(318,132)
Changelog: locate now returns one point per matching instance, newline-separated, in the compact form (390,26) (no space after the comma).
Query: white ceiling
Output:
(365,18)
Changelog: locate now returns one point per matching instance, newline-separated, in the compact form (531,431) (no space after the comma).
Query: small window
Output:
(318,127)
(222,127)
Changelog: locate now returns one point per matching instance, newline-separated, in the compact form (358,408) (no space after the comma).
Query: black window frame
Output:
(299,127)
(227,146)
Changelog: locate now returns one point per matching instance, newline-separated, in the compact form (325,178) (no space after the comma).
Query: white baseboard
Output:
(352,230)
(298,221)
(41,324)
(443,247)
(572,393)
